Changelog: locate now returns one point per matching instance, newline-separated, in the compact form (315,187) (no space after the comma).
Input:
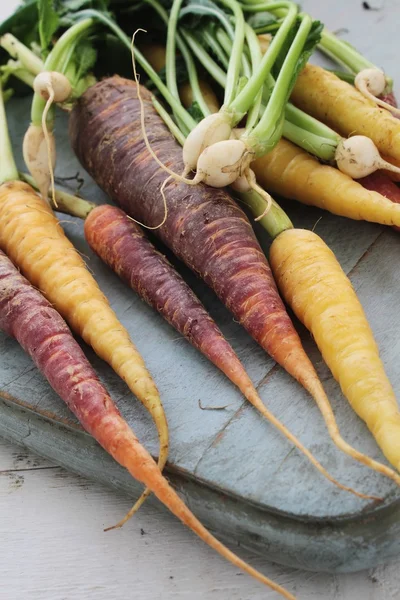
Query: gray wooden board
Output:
(237,473)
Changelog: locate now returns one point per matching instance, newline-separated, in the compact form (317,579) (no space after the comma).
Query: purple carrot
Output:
(27,316)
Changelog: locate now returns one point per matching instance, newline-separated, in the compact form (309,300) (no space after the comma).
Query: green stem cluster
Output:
(8,168)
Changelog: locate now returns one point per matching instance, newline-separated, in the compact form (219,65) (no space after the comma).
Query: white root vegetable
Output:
(222,163)
(358,157)
(212,129)
(372,83)
(50,83)
(37,157)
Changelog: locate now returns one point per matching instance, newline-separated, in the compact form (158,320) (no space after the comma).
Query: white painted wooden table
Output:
(53,546)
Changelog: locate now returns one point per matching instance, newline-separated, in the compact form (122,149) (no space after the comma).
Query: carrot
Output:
(306,271)
(121,244)
(205,228)
(380,182)
(341,106)
(36,325)
(32,237)
(390,99)
(291,172)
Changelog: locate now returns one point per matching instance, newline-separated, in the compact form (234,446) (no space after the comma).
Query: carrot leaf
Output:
(48,24)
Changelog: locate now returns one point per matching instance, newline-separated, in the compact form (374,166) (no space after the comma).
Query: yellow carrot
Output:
(306,272)
(291,172)
(342,107)
(186,95)
(32,237)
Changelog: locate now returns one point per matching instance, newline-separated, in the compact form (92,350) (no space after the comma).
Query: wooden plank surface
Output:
(52,530)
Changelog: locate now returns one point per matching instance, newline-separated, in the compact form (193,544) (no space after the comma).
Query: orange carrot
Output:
(40,330)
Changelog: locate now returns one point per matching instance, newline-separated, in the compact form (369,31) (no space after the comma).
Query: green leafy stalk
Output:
(244,100)
(209,38)
(190,64)
(266,134)
(237,51)
(256,58)
(323,148)
(170,123)
(48,24)
(171,49)
(298,127)
(15,68)
(62,50)
(207,8)
(224,40)
(204,58)
(175,105)
(343,53)
(19,51)
(8,168)
(66,203)
(338,50)
(308,123)
(275,221)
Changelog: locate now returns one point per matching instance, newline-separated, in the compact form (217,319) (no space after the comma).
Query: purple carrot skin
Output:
(390,99)
(204,227)
(122,245)
(381,183)
(44,335)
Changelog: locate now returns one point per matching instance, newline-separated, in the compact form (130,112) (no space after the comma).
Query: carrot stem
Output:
(275,221)
(18,50)
(66,203)
(8,168)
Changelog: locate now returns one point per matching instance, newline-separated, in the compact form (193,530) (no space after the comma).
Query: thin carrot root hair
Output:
(162,192)
(131,512)
(181,178)
(378,101)
(49,102)
(264,194)
(256,401)
(330,421)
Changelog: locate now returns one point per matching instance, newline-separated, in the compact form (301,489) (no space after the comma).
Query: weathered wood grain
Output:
(57,550)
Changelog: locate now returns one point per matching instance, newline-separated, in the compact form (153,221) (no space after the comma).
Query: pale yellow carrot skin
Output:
(32,237)
(342,107)
(306,272)
(291,172)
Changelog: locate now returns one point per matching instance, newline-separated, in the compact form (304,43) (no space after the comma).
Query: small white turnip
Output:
(212,129)
(358,157)
(38,155)
(222,163)
(50,83)
(372,84)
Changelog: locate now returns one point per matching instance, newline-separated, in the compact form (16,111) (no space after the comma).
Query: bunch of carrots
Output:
(232,110)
